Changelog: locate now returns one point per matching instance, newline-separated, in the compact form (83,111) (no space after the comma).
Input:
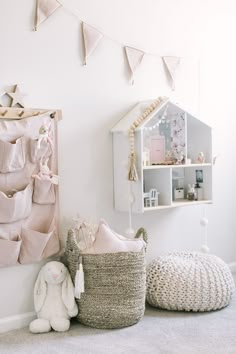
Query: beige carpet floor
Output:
(159,331)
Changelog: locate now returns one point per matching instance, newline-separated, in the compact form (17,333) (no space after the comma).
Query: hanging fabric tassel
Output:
(133,175)
(79,280)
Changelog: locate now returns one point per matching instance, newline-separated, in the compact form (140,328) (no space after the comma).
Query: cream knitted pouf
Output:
(189,282)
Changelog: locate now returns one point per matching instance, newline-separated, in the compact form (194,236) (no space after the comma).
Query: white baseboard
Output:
(232,267)
(16,322)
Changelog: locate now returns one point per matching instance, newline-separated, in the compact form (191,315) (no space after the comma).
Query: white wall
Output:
(47,65)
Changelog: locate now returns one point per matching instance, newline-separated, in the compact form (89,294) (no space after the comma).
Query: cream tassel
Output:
(133,175)
(79,281)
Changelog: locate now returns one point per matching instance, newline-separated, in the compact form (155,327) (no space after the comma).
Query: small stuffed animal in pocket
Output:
(53,299)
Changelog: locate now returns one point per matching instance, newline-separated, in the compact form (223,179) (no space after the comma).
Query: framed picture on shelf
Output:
(199,176)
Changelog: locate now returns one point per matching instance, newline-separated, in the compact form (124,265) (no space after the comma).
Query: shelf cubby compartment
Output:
(159,179)
(187,176)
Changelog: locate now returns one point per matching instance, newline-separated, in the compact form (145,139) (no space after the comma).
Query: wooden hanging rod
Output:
(20,113)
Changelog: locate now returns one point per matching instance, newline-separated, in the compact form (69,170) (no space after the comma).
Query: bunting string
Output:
(92,36)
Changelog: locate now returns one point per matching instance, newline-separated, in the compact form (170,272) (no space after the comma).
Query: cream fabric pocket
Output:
(44,192)
(36,153)
(12,155)
(17,206)
(9,251)
(35,244)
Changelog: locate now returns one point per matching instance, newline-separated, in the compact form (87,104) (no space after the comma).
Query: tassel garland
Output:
(133,175)
(79,281)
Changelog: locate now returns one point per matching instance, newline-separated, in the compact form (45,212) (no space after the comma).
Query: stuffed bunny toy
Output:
(53,299)
(45,174)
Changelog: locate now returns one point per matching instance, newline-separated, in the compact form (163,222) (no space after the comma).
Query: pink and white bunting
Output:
(44,9)
(171,63)
(134,57)
(91,38)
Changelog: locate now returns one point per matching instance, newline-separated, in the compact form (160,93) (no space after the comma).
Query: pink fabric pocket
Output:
(16,206)
(9,251)
(36,153)
(35,244)
(12,155)
(44,192)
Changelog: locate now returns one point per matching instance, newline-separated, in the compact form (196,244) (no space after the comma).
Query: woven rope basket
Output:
(189,282)
(115,285)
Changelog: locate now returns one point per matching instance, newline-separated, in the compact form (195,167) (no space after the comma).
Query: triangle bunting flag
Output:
(134,57)
(44,9)
(91,39)
(171,64)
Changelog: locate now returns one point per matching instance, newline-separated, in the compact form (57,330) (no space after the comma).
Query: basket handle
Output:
(142,233)
(71,239)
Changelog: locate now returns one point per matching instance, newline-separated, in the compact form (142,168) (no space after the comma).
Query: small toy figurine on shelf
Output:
(200,158)
(146,157)
(169,158)
(181,159)
(191,195)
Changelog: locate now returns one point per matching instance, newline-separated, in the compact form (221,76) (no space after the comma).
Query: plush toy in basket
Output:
(114,274)
(53,299)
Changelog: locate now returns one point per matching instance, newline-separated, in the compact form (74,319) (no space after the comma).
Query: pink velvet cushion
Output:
(108,241)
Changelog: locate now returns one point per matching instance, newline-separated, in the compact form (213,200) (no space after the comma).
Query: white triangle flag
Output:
(44,9)
(91,38)
(134,57)
(171,64)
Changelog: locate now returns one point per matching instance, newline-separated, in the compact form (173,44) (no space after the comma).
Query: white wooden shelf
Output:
(175,204)
(153,167)
(185,202)
(179,135)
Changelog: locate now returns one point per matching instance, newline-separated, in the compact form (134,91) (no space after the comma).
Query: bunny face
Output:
(54,272)
(54,275)
(44,167)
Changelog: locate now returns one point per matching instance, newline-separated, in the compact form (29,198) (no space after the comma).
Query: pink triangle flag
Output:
(91,38)
(44,9)
(134,57)
(171,64)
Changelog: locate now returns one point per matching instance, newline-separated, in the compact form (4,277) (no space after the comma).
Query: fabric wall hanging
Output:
(134,57)
(44,9)
(171,64)
(28,185)
(92,37)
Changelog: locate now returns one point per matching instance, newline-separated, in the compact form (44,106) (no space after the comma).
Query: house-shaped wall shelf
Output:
(173,150)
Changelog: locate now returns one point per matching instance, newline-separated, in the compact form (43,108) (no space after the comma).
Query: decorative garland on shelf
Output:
(133,175)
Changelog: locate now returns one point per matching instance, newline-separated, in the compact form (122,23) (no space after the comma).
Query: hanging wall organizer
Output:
(28,185)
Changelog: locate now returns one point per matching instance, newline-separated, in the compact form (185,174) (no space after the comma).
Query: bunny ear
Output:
(40,291)
(68,292)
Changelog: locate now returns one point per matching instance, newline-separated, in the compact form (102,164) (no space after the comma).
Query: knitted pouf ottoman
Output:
(189,282)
